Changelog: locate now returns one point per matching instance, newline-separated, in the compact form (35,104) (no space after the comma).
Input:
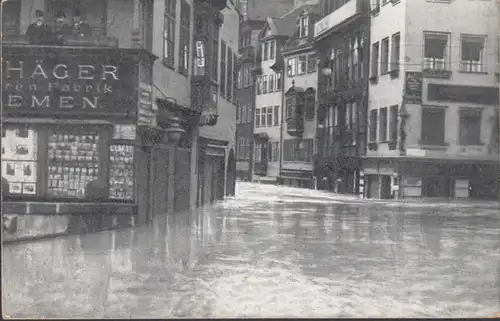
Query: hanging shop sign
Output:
(413,86)
(68,83)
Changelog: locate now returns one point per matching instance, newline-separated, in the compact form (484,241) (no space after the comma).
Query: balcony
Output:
(295,125)
(103,42)
(345,14)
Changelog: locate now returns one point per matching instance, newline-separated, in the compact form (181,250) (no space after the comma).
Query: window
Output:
(264,84)
(184,37)
(259,85)
(257,117)
(433,124)
(265,51)
(373,125)
(275,152)
(375,57)
(238,114)
(269,122)
(472,57)
(229,74)
(312,62)
(278,81)
(249,113)
(276,115)
(302,65)
(235,75)
(291,65)
(393,124)
(271,83)
(169,33)
(263,115)
(436,50)
(310,105)
(20,159)
(395,51)
(470,126)
(303,26)
(247,77)
(258,153)
(239,81)
(290,107)
(384,59)
(296,150)
(272,49)
(214,53)
(11,18)
(146,11)
(245,39)
(383,124)
(223,64)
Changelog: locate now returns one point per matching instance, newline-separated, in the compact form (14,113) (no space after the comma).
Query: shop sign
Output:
(413,85)
(463,94)
(67,84)
(146,112)
(125,132)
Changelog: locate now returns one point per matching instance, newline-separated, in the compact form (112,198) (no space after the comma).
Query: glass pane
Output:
(73,162)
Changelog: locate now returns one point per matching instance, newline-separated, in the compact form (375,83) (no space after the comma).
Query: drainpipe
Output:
(498,107)
(282,122)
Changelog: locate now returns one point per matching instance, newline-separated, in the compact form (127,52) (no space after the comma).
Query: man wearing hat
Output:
(81,27)
(38,32)
(62,29)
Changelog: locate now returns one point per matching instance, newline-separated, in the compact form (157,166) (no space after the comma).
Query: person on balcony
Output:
(80,27)
(38,32)
(62,30)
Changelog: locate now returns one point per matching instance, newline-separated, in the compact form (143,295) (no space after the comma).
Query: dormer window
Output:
(303,26)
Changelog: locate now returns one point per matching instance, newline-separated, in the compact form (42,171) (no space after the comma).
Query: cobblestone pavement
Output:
(269,252)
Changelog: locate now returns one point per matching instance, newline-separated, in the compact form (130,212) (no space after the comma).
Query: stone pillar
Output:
(136,27)
(194,186)
(171,179)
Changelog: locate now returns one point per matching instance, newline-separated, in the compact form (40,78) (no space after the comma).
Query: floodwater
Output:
(269,252)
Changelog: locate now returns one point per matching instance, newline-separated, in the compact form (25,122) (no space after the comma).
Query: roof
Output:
(294,42)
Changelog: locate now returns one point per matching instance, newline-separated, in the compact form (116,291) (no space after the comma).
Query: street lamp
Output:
(175,131)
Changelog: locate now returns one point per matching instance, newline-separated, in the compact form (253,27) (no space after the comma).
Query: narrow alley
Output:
(269,252)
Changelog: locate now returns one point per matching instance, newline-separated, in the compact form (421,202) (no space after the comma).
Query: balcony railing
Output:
(69,42)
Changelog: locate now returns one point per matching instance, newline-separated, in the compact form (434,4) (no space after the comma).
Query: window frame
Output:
(184,38)
(471,113)
(257,118)
(222,69)
(301,65)
(373,121)
(384,56)
(229,74)
(291,67)
(375,53)
(303,26)
(312,63)
(467,65)
(432,111)
(169,30)
(395,51)
(432,63)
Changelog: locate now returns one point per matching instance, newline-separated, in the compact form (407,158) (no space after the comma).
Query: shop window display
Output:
(73,162)
(19,159)
(121,174)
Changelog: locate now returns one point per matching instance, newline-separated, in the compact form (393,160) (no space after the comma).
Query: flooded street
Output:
(269,252)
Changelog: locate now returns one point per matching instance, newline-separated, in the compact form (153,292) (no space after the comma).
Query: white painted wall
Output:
(412,18)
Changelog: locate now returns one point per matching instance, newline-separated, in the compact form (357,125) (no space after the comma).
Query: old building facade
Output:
(433,100)
(298,126)
(101,127)
(342,41)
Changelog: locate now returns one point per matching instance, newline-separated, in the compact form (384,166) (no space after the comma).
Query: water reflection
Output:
(431,226)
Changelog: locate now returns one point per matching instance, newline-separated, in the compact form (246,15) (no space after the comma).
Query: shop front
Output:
(72,146)
(431,178)
(212,171)
(297,178)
